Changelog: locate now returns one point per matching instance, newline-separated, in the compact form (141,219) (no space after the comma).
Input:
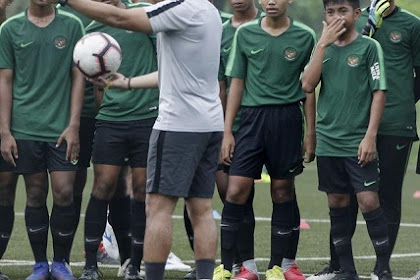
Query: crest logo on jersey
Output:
(395,37)
(60,42)
(290,54)
(353,60)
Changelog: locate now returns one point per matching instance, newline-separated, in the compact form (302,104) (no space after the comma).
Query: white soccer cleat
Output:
(325,274)
(175,263)
(123,268)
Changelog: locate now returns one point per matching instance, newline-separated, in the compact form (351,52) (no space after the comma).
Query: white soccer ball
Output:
(97,54)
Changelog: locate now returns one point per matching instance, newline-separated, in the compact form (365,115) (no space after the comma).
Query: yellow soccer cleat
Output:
(220,273)
(276,273)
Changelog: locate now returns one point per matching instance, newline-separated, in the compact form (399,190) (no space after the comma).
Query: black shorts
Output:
(393,153)
(119,143)
(4,166)
(86,135)
(37,157)
(344,175)
(183,164)
(270,135)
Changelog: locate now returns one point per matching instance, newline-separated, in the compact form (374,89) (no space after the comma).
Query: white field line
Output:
(264,219)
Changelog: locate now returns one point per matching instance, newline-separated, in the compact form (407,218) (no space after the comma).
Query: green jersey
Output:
(227,39)
(225,16)
(399,37)
(89,109)
(271,66)
(350,75)
(138,58)
(42,62)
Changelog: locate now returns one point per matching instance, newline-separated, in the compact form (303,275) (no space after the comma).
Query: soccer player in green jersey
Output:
(124,124)
(8,182)
(267,58)
(346,155)
(40,122)
(399,36)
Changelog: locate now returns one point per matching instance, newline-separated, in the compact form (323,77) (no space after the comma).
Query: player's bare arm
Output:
(118,80)
(232,107)
(367,148)
(71,133)
(9,149)
(134,19)
(330,34)
(309,144)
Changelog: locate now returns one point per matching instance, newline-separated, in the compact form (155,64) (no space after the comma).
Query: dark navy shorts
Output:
(270,135)
(86,135)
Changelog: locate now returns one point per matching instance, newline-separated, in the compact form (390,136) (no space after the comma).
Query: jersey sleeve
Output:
(237,63)
(6,49)
(415,43)
(169,15)
(376,69)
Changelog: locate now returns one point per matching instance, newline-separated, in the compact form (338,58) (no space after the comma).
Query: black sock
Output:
(282,221)
(205,268)
(138,226)
(119,219)
(232,217)
(377,228)
(77,202)
(354,208)
(37,224)
(6,226)
(188,228)
(245,245)
(155,270)
(341,238)
(62,230)
(95,222)
(291,252)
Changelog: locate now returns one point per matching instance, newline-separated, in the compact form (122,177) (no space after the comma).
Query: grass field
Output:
(313,248)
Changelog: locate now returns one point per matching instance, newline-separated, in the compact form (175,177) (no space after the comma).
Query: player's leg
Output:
(365,181)
(63,174)
(283,156)
(109,154)
(393,154)
(8,182)
(246,166)
(199,203)
(86,134)
(32,165)
(333,180)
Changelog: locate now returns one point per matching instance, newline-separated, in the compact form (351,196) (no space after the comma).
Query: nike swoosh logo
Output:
(225,50)
(368,184)
(24,45)
(325,60)
(291,170)
(137,242)
(379,243)
(284,232)
(335,242)
(400,147)
(90,240)
(33,230)
(65,234)
(256,51)
(224,225)
(4,236)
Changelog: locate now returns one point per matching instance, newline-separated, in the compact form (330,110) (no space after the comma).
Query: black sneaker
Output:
(3,277)
(385,275)
(327,273)
(91,273)
(131,273)
(345,275)
(192,274)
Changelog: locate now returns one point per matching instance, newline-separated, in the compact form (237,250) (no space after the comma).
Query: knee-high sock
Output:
(62,231)
(119,219)
(138,226)
(245,246)
(6,226)
(188,228)
(37,224)
(95,222)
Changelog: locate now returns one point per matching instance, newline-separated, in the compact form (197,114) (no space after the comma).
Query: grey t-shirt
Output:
(188,46)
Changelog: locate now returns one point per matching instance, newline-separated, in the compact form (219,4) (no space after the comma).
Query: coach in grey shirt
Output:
(186,138)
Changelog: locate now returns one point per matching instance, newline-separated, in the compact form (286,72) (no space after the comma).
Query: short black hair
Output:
(354,3)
